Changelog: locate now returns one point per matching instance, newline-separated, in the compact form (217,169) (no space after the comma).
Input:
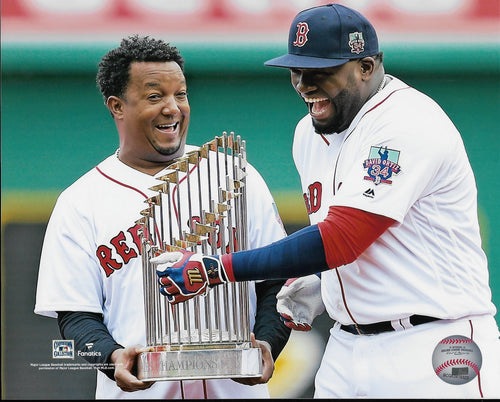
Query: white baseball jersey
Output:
(403,158)
(91,262)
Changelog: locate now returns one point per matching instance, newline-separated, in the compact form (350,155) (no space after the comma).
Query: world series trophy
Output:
(200,206)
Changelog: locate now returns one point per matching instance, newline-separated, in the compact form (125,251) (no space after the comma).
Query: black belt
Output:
(386,326)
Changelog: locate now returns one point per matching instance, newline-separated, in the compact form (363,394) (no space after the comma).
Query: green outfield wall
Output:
(55,127)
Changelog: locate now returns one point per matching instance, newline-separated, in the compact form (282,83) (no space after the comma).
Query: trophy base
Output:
(195,364)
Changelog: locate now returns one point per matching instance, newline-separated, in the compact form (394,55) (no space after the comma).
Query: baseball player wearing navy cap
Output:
(394,231)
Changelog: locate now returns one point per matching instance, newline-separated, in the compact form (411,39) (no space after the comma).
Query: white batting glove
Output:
(299,302)
(165,258)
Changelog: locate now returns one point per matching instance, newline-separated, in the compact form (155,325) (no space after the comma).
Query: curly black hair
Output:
(113,74)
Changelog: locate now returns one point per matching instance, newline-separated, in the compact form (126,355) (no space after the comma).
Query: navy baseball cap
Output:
(327,36)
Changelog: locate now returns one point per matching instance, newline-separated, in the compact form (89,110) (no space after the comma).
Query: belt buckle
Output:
(357,329)
(360,331)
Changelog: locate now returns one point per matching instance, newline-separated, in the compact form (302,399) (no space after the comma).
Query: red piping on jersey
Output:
(479,372)
(175,189)
(120,183)
(383,100)
(343,296)
(346,233)
(334,188)
(368,111)
(325,139)
(131,188)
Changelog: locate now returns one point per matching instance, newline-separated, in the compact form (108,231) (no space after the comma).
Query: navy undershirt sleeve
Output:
(268,326)
(300,254)
(91,336)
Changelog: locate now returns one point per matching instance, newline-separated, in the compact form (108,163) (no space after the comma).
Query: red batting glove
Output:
(183,274)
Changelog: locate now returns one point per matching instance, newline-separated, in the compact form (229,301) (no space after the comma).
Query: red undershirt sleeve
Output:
(338,240)
(347,232)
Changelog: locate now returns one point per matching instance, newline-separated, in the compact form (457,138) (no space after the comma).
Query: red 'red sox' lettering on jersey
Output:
(214,236)
(313,197)
(118,245)
(93,239)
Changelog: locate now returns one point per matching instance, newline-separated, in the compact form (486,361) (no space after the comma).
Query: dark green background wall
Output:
(54,128)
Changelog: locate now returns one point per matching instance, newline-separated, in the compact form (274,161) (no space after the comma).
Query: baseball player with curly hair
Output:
(394,231)
(90,275)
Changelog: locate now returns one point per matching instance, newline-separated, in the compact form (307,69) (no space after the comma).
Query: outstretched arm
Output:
(338,240)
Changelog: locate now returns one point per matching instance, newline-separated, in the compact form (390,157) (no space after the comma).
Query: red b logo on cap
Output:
(302,30)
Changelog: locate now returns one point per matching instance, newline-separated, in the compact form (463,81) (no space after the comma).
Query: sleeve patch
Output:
(381,164)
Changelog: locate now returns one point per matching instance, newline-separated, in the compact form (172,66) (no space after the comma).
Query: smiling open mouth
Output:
(168,127)
(318,107)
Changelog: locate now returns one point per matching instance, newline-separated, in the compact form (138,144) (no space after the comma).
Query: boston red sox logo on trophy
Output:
(200,206)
